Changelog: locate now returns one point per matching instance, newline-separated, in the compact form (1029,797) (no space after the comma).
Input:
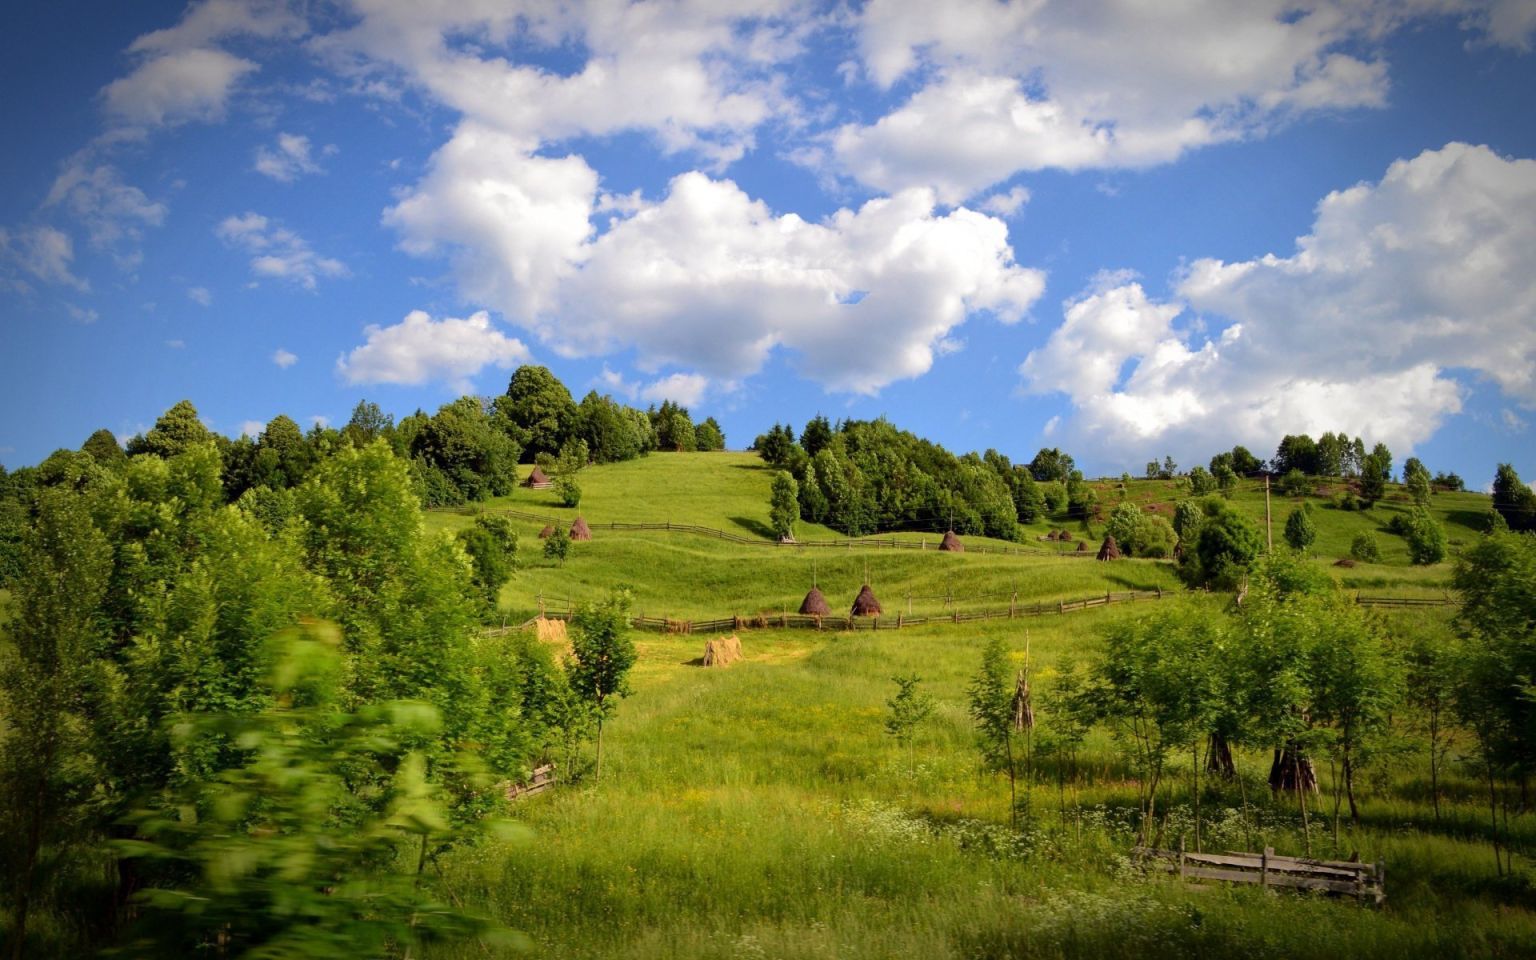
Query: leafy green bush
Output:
(1365,548)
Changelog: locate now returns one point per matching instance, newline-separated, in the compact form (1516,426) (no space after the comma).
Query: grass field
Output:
(762,811)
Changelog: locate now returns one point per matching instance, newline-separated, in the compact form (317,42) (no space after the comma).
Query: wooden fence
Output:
(1407,601)
(1364,881)
(863,543)
(799,621)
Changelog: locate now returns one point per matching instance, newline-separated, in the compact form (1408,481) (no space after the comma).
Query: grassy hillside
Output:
(680,575)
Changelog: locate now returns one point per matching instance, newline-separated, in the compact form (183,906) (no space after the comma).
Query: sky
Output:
(1127,229)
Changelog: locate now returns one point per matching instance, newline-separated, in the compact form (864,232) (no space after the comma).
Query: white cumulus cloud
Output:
(419,349)
(1430,270)
(289,160)
(684,389)
(284,358)
(277,252)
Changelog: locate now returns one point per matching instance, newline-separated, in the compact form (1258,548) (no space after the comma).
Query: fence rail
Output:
(1407,601)
(871,543)
(1364,881)
(800,621)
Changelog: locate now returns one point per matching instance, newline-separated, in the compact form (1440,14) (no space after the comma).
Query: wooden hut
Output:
(580,530)
(538,480)
(815,604)
(547,532)
(1110,550)
(865,604)
(951,543)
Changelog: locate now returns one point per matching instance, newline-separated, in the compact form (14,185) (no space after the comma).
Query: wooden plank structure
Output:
(543,779)
(1363,881)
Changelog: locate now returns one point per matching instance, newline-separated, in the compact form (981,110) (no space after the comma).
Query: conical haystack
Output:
(814,604)
(951,543)
(580,530)
(547,532)
(1110,550)
(865,604)
(1082,547)
(537,479)
(722,652)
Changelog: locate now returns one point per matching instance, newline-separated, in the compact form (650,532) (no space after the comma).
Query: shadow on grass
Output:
(755,527)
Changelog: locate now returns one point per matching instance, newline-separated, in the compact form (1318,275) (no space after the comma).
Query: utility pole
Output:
(1269,532)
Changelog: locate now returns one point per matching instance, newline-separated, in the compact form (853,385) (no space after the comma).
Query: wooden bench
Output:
(543,779)
(1363,881)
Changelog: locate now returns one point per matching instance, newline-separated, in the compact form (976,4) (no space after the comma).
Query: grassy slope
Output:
(762,811)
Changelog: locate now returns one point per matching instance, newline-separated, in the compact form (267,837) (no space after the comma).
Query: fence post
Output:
(1264,866)
(1181,857)
(898,619)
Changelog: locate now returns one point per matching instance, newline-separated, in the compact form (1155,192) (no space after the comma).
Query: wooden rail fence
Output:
(793,621)
(1363,881)
(1406,601)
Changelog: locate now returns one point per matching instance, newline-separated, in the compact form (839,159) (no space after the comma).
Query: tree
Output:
(1296,484)
(784,506)
(568,490)
(1028,501)
(177,429)
(991,707)
(1365,548)
(709,436)
(1426,539)
(474,454)
(1382,458)
(1296,452)
(1300,532)
(775,445)
(680,433)
(103,446)
(557,545)
(908,709)
(1514,500)
(55,634)
(1226,480)
(539,410)
(1332,449)
(1224,549)
(816,435)
(491,544)
(602,655)
(1373,483)
(609,430)
(1051,464)
(367,423)
(1187,518)
(1202,482)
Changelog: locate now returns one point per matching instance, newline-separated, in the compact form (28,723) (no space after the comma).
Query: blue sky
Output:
(1127,229)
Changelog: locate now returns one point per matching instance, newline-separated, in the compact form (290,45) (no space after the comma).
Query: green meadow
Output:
(761,810)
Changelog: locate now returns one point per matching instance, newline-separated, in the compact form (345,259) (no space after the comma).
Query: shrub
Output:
(568,490)
(1365,548)
(1296,484)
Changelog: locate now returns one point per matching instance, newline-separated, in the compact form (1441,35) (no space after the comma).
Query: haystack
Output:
(547,532)
(1110,550)
(580,530)
(722,652)
(951,543)
(1082,547)
(549,631)
(537,479)
(865,604)
(814,604)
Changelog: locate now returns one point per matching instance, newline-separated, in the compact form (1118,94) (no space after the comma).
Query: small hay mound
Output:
(722,652)
(951,543)
(815,604)
(547,532)
(1344,562)
(865,604)
(537,479)
(1110,549)
(1082,547)
(549,631)
(580,530)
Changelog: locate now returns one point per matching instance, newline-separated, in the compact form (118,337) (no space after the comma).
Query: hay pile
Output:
(951,543)
(1082,547)
(580,530)
(865,604)
(722,652)
(1110,550)
(815,604)
(549,631)
(537,479)
(1344,562)
(547,532)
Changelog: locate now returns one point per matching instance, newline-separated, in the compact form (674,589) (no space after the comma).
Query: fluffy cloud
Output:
(182,73)
(1430,270)
(686,389)
(278,252)
(1027,86)
(114,213)
(200,296)
(290,160)
(283,358)
(419,349)
(42,252)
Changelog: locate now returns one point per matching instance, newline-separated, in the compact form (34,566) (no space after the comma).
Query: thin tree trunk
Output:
(1301,798)
(1493,815)
(1434,760)
(1349,789)
(1218,757)
(597,773)
(1195,769)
